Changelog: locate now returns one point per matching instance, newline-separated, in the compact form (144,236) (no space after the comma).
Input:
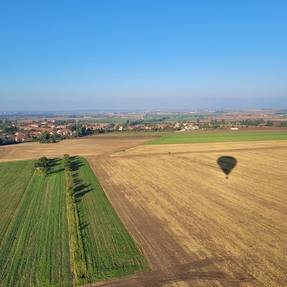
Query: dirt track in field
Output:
(178,275)
(195,227)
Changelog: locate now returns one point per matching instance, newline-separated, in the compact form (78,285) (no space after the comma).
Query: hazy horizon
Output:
(72,55)
(178,105)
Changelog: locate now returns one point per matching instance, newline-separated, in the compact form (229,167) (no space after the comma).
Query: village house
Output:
(19,137)
(64,132)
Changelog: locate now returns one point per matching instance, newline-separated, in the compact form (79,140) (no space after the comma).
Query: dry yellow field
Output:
(196,227)
(97,145)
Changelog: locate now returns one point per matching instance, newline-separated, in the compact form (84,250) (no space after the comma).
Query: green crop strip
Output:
(59,228)
(110,250)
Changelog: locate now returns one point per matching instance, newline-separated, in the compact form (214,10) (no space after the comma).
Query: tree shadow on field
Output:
(80,189)
(76,163)
(227,164)
(53,163)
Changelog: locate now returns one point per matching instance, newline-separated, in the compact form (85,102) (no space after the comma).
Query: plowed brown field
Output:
(196,227)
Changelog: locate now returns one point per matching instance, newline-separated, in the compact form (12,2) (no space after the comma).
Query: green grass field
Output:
(219,136)
(35,246)
(18,173)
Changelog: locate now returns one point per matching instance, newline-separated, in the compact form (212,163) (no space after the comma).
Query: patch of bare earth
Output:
(196,227)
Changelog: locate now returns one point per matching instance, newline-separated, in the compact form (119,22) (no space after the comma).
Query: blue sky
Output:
(61,55)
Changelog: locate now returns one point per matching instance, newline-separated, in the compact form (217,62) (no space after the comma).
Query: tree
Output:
(46,137)
(42,165)
(269,123)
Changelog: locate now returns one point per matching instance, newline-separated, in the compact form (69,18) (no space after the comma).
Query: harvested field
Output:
(196,227)
(177,149)
(97,145)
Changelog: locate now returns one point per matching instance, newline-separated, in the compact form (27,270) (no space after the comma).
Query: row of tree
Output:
(79,268)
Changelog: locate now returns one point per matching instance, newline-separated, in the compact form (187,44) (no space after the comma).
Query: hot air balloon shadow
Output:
(227,164)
